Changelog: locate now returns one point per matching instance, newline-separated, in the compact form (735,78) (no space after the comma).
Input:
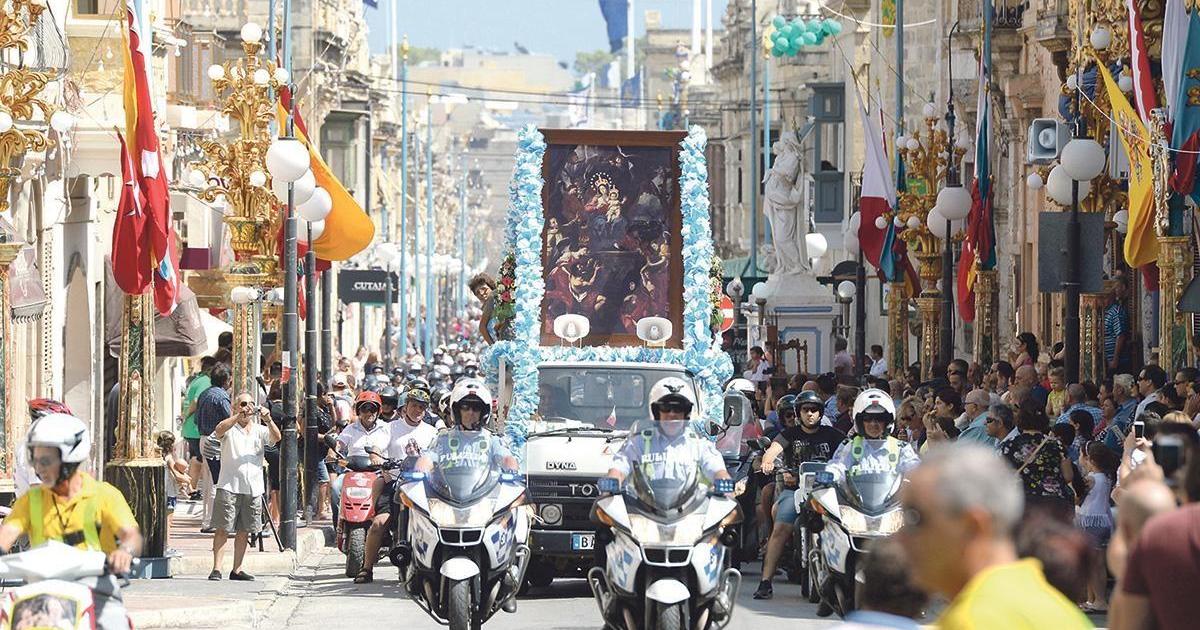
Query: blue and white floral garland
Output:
(523,229)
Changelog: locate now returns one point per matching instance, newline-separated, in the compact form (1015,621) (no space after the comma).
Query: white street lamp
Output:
(1083,158)
(953,202)
(816,244)
(287,159)
(846,290)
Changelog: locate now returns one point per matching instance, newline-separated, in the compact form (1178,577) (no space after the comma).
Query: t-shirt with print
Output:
(1164,565)
(799,446)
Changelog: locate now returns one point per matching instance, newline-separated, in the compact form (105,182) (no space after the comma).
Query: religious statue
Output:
(781,204)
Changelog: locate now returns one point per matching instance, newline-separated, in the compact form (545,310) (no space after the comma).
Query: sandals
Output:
(364,577)
(1090,609)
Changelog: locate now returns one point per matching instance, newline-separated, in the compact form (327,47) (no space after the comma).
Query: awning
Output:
(28,297)
(183,334)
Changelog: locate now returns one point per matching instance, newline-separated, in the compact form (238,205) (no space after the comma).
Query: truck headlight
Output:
(550,513)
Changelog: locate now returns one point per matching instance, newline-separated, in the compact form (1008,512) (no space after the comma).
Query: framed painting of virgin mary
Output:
(611,244)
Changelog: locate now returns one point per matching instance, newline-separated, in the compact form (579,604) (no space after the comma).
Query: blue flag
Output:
(631,90)
(616,17)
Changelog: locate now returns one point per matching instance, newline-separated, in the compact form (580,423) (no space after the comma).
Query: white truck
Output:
(585,410)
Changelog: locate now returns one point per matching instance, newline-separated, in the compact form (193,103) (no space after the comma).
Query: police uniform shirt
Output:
(876,456)
(670,457)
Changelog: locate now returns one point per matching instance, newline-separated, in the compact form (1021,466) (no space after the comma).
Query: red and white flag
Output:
(1143,83)
(154,198)
(130,256)
(878,194)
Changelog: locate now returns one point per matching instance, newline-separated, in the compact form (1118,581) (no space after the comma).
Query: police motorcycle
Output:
(740,455)
(666,558)
(467,527)
(860,505)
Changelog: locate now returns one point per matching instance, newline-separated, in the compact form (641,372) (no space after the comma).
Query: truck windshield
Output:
(608,398)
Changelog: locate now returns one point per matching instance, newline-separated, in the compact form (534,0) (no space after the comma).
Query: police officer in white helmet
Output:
(873,448)
(671,403)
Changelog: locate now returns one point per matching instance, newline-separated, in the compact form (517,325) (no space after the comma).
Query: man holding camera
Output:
(238,505)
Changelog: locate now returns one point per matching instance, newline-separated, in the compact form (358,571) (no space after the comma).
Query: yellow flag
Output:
(1141,243)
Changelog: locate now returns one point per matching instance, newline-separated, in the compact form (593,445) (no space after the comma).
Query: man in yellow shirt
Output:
(70,506)
(961,507)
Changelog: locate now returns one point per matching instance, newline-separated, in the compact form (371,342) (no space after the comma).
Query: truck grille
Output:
(574,494)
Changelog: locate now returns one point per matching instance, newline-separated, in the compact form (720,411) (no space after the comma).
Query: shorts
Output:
(236,512)
(785,507)
(322,472)
(383,503)
(193,448)
(1099,535)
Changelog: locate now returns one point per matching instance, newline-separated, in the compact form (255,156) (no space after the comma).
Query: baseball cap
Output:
(339,380)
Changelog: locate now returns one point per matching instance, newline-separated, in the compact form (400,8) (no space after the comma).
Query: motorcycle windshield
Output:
(873,493)
(665,474)
(466,465)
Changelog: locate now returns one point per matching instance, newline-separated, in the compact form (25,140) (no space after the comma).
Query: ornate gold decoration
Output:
(135,425)
(927,164)
(253,218)
(985,335)
(897,327)
(19,93)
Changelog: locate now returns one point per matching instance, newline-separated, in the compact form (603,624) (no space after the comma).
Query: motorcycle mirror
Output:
(331,440)
(763,443)
(737,409)
(609,485)
(714,428)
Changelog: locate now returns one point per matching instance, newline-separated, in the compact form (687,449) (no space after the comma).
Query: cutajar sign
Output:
(366,285)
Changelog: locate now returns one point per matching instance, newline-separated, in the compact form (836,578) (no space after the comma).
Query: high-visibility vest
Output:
(858,450)
(37,512)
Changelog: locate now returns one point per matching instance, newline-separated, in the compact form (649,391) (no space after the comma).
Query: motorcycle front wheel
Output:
(356,549)
(460,609)
(670,617)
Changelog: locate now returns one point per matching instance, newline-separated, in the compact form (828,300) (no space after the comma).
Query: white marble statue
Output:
(783,207)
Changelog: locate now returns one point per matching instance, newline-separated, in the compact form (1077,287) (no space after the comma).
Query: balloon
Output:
(835,27)
(820,38)
(779,21)
(779,51)
(810,39)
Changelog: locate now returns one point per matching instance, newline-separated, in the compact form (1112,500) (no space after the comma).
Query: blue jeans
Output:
(785,507)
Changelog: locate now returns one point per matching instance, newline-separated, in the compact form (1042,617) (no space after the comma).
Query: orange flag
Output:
(348,230)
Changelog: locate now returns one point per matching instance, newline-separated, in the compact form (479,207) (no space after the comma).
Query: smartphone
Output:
(1168,454)
(1139,429)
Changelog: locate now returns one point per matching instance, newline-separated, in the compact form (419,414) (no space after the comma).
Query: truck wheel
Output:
(670,617)
(356,550)
(459,609)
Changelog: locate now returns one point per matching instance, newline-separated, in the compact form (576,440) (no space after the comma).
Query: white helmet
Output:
(874,402)
(470,391)
(671,389)
(742,385)
(65,432)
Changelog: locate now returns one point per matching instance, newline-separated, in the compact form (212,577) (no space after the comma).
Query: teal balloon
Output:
(799,24)
(779,21)
(820,38)
(810,39)
(834,27)
(778,51)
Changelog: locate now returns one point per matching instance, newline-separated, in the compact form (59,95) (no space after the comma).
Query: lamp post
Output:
(846,291)
(429,280)
(402,349)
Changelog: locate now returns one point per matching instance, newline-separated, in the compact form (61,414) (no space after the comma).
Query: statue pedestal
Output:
(805,310)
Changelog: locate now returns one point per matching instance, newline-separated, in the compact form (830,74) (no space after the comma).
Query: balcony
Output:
(1009,14)
(1053,30)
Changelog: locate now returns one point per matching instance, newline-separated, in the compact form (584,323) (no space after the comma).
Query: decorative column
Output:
(1174,273)
(10,437)
(1091,336)
(897,327)
(930,307)
(136,469)
(987,310)
(247,327)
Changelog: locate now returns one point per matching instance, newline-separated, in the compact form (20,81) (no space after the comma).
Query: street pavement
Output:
(319,593)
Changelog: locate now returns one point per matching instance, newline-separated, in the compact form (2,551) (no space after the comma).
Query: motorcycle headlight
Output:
(740,487)
(358,493)
(891,522)
(855,521)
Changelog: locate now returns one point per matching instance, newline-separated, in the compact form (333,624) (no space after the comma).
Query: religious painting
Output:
(611,244)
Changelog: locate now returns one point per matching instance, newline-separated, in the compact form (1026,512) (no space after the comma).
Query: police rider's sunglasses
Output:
(673,407)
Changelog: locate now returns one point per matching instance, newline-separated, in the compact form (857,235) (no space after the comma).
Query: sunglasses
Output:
(675,407)
(43,462)
(990,420)
(245,403)
(956,372)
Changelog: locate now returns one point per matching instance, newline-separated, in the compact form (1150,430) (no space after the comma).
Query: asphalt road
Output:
(320,597)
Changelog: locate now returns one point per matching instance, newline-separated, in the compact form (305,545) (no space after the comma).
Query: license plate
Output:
(583,542)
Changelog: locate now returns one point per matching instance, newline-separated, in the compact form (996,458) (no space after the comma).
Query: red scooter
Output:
(356,509)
